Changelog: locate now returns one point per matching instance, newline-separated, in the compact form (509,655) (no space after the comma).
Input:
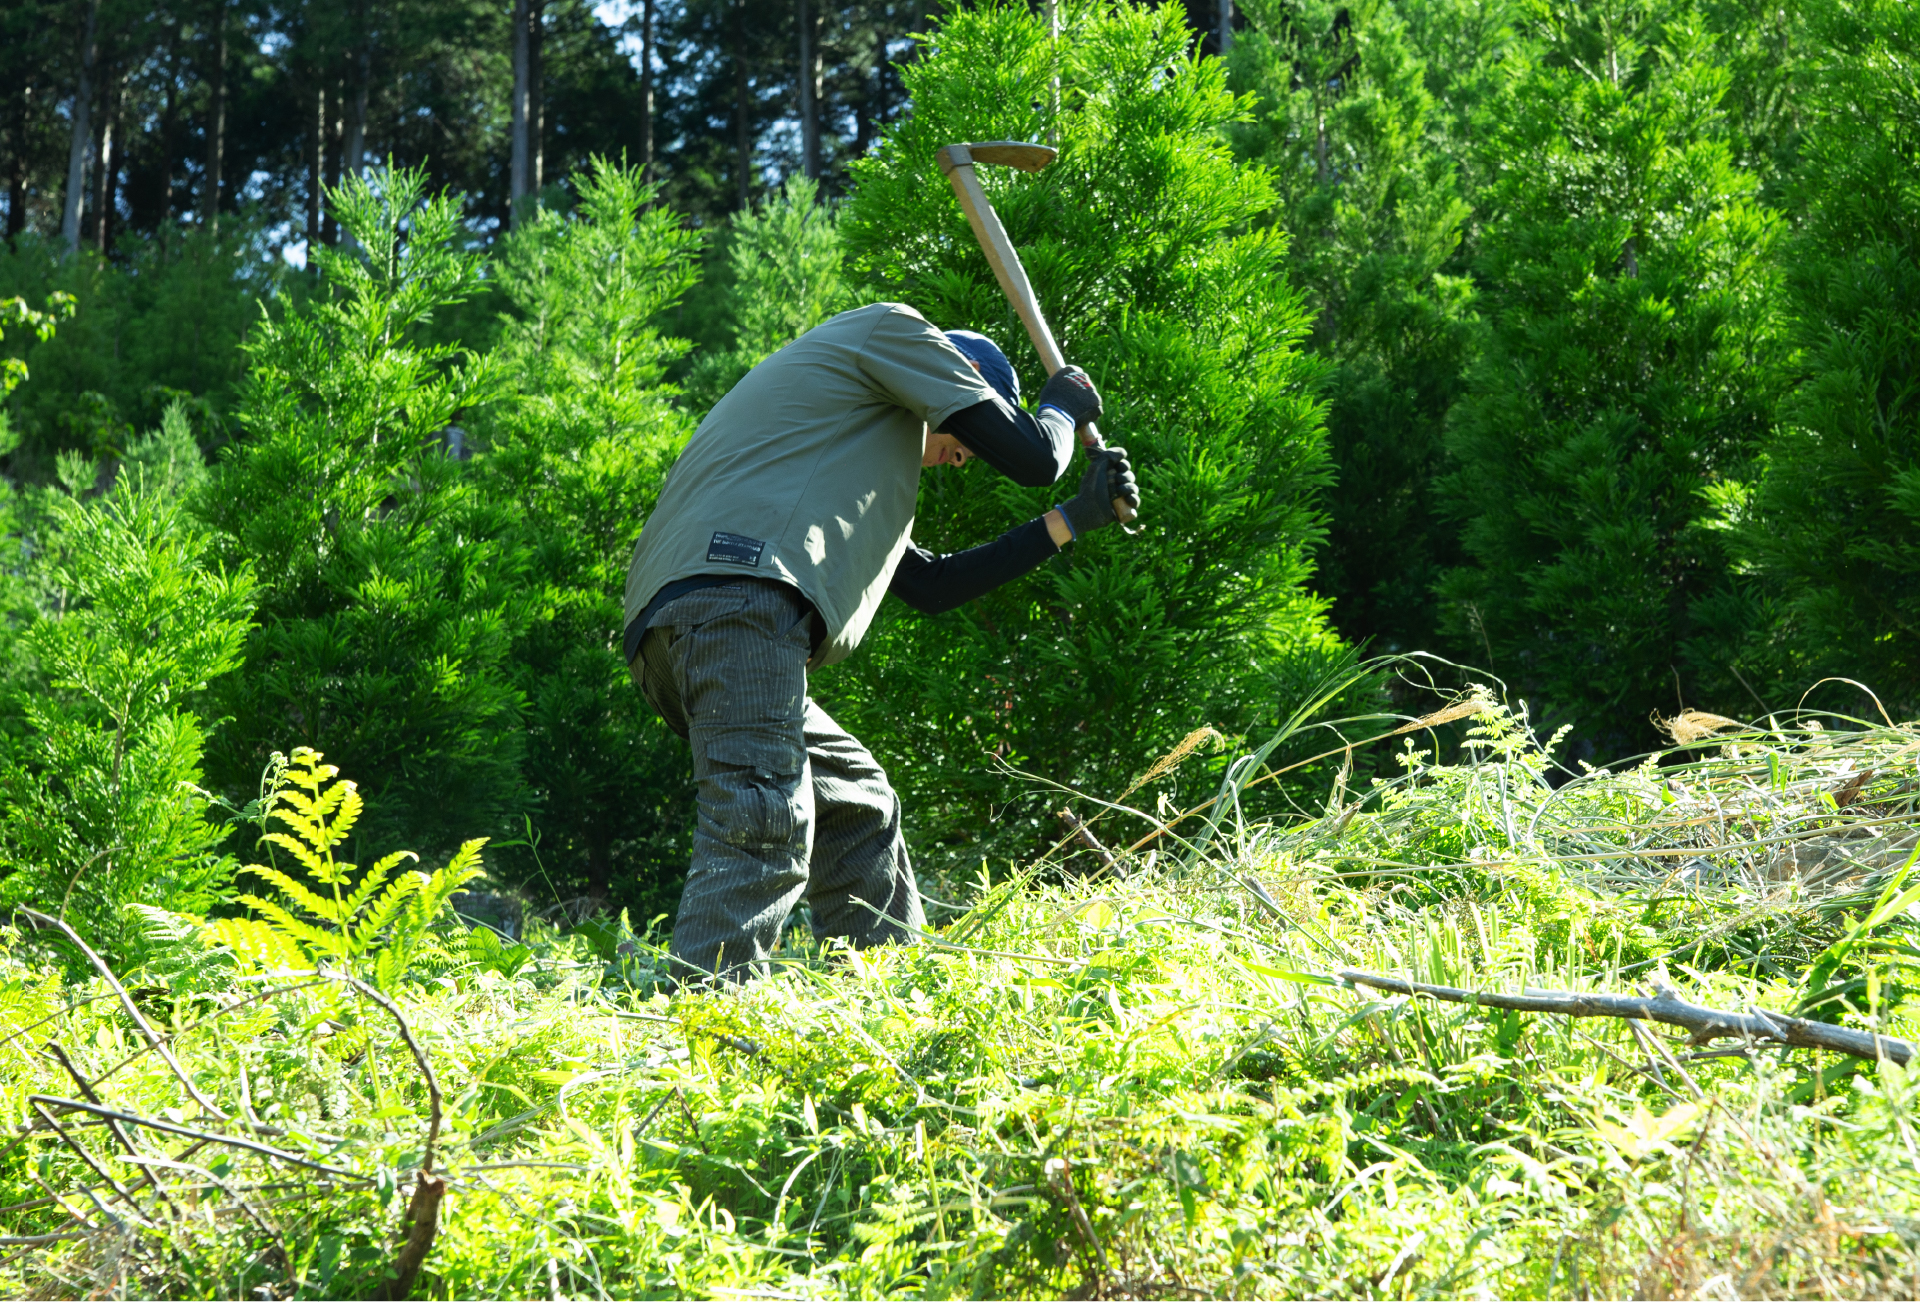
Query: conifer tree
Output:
(1627,276)
(780,278)
(1375,213)
(1832,526)
(579,459)
(1144,241)
(391,600)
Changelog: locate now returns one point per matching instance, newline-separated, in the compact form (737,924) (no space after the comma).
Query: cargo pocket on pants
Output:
(759,776)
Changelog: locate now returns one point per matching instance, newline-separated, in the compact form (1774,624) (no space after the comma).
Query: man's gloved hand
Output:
(1110,476)
(1072,391)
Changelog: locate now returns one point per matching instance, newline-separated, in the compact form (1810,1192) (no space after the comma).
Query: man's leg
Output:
(859,857)
(736,658)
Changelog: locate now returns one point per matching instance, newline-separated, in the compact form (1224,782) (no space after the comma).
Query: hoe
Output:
(956,162)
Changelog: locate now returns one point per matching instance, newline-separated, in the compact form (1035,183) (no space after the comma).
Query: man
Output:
(782,525)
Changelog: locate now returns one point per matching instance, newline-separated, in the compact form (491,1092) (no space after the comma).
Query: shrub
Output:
(103,799)
(391,602)
(1830,523)
(1373,203)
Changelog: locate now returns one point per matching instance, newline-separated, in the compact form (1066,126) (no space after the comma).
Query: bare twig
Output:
(1079,831)
(176,1033)
(434,1105)
(113,1124)
(126,1002)
(81,1151)
(232,1141)
(1706,1024)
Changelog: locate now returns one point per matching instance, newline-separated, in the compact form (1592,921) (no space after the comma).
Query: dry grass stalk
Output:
(1477,702)
(1171,760)
(1690,726)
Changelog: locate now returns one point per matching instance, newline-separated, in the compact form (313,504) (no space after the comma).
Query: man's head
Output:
(987,359)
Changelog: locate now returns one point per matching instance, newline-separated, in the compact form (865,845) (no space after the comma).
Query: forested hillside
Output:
(1522,386)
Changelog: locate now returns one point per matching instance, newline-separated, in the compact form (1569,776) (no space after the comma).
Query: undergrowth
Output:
(1144,1083)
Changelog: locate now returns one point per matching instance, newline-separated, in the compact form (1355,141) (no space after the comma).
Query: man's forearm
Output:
(934,584)
(1030,449)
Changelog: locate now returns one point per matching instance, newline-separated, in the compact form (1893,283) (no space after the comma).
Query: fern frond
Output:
(257,944)
(351,806)
(375,877)
(298,849)
(318,905)
(163,927)
(459,870)
(314,939)
(389,966)
(386,909)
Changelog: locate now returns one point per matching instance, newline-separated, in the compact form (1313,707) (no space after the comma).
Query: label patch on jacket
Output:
(733,547)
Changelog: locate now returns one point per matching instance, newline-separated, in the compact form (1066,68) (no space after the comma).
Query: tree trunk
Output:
(743,127)
(809,92)
(1053,84)
(17,170)
(216,125)
(103,189)
(1226,27)
(330,146)
(82,137)
(536,93)
(522,158)
(169,131)
(316,133)
(646,90)
(353,154)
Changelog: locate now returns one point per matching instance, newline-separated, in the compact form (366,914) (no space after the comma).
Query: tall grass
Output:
(1145,1084)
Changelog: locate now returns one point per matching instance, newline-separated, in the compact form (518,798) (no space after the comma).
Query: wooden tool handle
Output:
(957,162)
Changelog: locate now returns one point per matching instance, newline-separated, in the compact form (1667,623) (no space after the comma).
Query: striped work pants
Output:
(790,806)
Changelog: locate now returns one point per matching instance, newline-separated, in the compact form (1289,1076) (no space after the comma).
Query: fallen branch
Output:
(434,1101)
(1706,1024)
(187,1132)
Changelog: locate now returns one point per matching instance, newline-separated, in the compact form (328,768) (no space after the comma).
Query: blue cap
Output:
(995,369)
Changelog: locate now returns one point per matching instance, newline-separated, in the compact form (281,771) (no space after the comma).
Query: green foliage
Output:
(1079,1090)
(782,277)
(1140,241)
(578,460)
(15,313)
(166,324)
(103,794)
(1829,523)
(1631,295)
(329,910)
(391,604)
(1372,201)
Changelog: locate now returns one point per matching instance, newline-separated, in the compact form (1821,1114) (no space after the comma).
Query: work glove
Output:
(1109,476)
(1072,391)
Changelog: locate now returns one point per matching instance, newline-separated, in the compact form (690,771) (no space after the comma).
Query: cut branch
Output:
(1705,1024)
